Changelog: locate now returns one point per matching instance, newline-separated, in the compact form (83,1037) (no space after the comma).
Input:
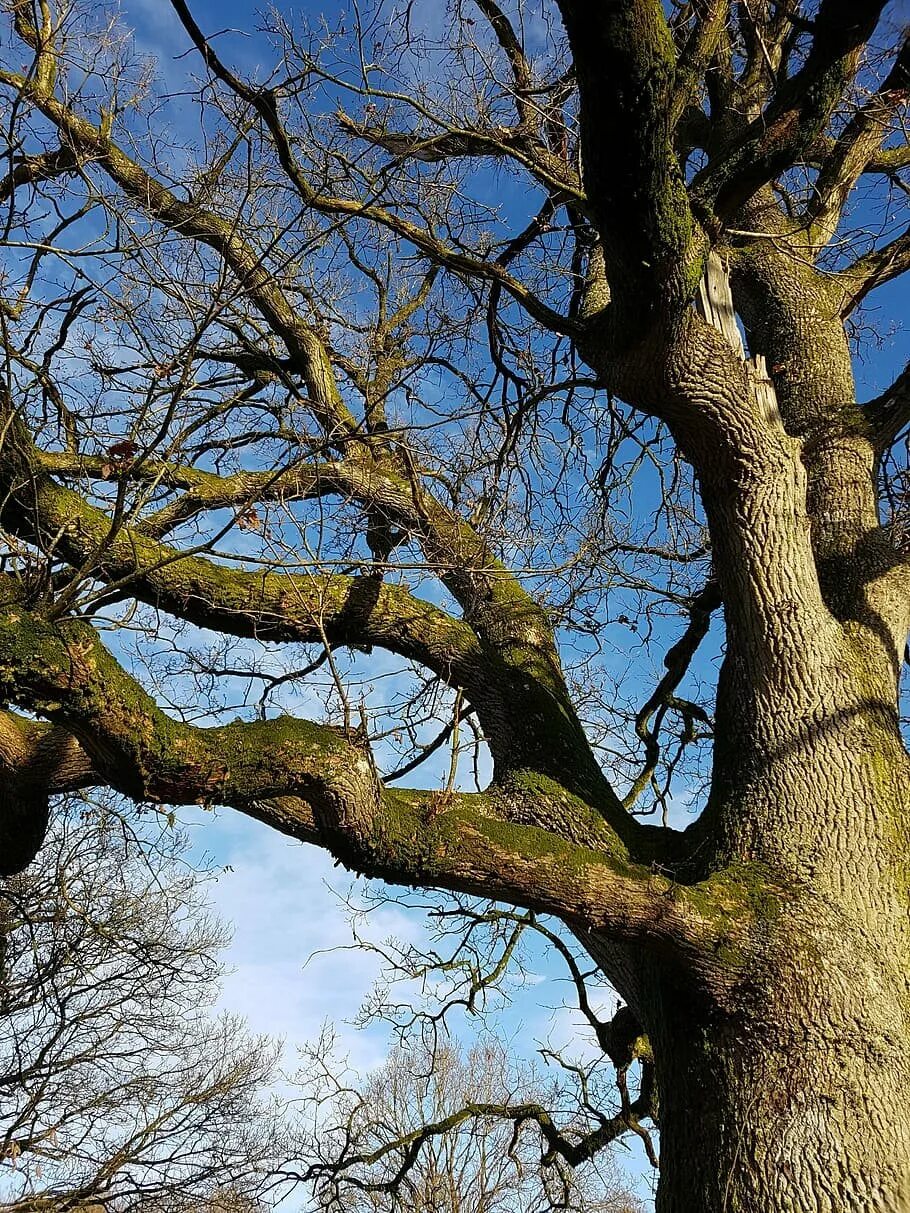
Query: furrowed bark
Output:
(765,951)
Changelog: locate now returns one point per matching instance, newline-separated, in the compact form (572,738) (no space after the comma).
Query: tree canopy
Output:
(485,344)
(120,1088)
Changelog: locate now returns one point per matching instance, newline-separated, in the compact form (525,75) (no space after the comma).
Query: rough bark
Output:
(794,1093)
(765,951)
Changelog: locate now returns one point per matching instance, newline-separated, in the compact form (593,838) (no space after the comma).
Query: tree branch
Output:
(697,53)
(889,413)
(266,606)
(29,170)
(37,761)
(798,112)
(265,103)
(574,1149)
(367,482)
(505,633)
(514,143)
(194,222)
(874,269)
(625,65)
(855,147)
(676,661)
(318,785)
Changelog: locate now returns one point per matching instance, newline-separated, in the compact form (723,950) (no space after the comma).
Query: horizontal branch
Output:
(30,170)
(555,174)
(64,673)
(574,1149)
(317,784)
(207,491)
(287,607)
(267,606)
(456,553)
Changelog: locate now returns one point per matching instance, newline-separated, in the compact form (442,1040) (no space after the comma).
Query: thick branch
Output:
(29,170)
(267,606)
(699,50)
(37,760)
(625,66)
(886,161)
(206,491)
(503,655)
(514,51)
(316,784)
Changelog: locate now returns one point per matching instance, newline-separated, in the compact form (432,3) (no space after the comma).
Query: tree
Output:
(119,1090)
(433,1130)
(424,341)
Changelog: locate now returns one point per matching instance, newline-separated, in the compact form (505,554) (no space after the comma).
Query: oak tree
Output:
(487,340)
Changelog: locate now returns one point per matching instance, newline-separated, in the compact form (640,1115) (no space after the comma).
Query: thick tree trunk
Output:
(790,1092)
(801,1102)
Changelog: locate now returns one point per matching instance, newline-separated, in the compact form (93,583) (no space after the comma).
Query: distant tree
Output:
(120,1091)
(447,1130)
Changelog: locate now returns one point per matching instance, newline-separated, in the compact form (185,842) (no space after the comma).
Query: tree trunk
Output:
(790,1093)
(801,1102)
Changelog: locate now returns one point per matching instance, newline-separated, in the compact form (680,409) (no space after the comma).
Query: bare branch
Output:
(30,170)
(265,102)
(798,112)
(889,413)
(856,146)
(874,269)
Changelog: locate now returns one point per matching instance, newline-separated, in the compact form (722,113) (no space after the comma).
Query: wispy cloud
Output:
(292,963)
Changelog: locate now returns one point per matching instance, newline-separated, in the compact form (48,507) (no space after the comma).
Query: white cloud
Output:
(287,976)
